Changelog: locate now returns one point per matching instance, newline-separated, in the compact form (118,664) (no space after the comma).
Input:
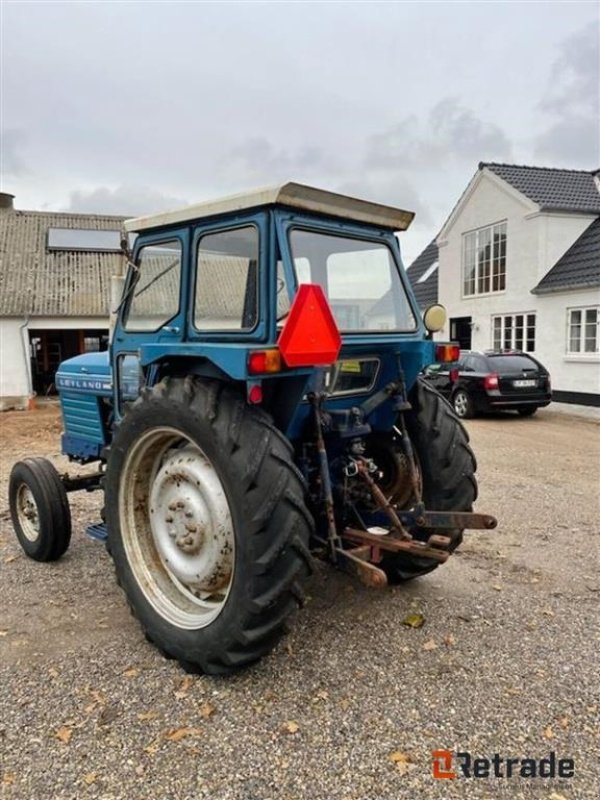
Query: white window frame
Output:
(515,331)
(476,241)
(582,337)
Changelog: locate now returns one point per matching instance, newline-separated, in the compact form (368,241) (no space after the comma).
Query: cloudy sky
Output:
(132,107)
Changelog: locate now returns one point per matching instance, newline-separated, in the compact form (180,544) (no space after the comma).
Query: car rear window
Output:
(512,363)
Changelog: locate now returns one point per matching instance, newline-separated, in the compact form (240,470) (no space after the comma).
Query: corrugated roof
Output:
(552,189)
(426,292)
(579,267)
(35,281)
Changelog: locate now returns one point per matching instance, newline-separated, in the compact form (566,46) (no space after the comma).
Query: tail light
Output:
(446,353)
(491,381)
(453,375)
(261,361)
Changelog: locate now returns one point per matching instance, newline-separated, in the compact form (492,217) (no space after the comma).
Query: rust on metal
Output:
(332,534)
(366,572)
(456,519)
(394,544)
(382,500)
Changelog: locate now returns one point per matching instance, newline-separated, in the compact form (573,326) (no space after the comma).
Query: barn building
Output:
(55,276)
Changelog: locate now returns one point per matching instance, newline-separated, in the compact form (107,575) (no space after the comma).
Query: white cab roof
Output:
(293,195)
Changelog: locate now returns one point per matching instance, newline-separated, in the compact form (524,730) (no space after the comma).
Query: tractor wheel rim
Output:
(460,404)
(27,513)
(177,528)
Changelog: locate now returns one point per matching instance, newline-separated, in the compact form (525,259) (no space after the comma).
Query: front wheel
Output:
(447,468)
(207,524)
(39,509)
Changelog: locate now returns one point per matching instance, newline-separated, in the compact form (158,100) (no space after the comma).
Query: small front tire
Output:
(39,509)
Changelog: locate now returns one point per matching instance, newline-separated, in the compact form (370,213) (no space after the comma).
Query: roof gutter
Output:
(573,287)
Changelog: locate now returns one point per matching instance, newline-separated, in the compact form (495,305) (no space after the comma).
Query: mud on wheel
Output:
(447,468)
(207,524)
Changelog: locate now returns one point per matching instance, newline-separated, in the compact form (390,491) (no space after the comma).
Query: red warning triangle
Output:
(310,336)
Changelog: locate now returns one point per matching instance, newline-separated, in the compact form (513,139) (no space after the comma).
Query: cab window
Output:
(227,280)
(155,290)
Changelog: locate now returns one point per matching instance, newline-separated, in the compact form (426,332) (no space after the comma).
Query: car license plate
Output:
(524,384)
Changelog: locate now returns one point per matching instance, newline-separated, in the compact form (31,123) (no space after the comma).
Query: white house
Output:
(55,274)
(518,267)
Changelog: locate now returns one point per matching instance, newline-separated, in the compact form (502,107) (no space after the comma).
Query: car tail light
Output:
(453,375)
(491,381)
(447,352)
(261,361)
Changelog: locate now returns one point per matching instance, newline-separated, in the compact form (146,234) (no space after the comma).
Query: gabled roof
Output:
(291,195)
(426,292)
(35,281)
(552,189)
(578,268)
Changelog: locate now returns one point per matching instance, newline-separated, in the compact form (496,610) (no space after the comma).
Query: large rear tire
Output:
(447,467)
(207,524)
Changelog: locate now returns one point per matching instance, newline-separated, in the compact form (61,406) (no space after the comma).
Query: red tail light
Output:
(491,381)
(446,353)
(453,375)
(264,361)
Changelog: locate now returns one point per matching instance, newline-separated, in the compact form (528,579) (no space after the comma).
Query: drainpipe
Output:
(27,357)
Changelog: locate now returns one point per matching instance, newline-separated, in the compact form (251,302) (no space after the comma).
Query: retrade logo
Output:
(442,764)
(447,765)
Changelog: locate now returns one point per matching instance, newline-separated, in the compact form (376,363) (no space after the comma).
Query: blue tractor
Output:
(260,405)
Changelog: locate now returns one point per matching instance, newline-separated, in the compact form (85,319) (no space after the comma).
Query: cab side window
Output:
(155,294)
(227,280)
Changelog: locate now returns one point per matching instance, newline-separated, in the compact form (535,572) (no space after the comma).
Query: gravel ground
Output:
(506,662)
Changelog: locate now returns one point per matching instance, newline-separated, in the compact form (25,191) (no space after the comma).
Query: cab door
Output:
(152,309)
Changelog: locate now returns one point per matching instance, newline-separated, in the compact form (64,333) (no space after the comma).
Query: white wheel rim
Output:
(460,404)
(177,528)
(27,513)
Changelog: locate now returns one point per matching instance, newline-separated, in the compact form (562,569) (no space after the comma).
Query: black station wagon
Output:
(492,381)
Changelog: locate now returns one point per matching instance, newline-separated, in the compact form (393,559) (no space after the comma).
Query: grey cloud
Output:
(12,140)
(123,200)
(257,160)
(575,75)
(572,141)
(572,102)
(450,133)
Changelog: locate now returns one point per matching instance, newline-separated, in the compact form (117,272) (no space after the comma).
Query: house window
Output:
(514,332)
(582,334)
(484,260)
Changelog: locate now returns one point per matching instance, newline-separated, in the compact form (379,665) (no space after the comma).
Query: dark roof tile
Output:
(552,189)
(426,292)
(579,267)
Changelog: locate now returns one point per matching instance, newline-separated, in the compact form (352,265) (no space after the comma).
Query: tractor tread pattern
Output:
(276,522)
(447,465)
